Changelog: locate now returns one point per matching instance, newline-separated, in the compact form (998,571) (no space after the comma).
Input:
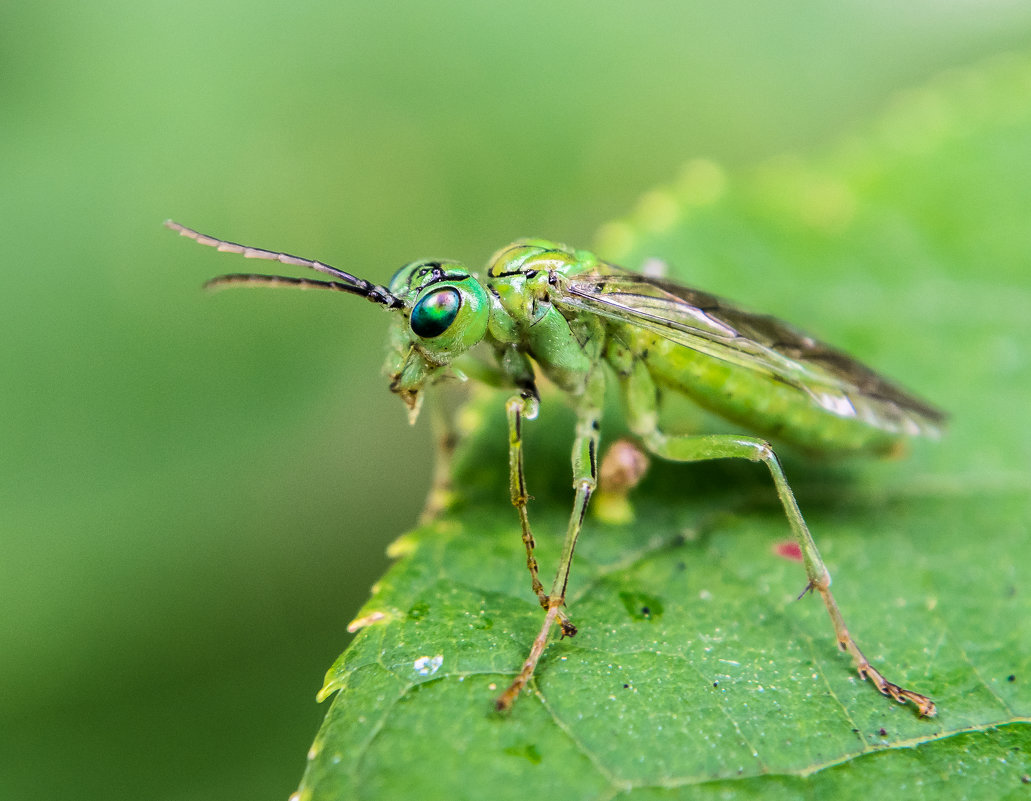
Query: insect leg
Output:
(643,421)
(446,434)
(516,409)
(585,479)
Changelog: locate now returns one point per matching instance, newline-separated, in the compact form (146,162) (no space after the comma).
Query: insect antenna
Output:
(252,279)
(347,283)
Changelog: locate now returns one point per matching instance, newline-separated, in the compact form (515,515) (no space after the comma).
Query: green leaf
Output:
(696,673)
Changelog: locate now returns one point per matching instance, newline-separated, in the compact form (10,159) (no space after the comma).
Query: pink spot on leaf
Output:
(789,550)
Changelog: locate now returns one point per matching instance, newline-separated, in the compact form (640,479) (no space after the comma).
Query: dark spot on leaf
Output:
(419,611)
(1011,678)
(529,752)
(882,732)
(641,606)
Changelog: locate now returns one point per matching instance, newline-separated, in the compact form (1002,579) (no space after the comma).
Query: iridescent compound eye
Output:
(435,312)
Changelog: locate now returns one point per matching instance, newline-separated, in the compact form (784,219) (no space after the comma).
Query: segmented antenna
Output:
(347,283)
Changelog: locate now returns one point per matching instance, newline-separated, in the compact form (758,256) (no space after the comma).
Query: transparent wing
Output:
(717,328)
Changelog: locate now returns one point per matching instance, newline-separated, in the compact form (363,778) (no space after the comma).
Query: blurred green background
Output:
(197,490)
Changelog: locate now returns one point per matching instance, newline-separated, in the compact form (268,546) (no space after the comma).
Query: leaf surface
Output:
(696,672)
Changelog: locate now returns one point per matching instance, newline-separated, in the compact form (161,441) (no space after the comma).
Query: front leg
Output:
(585,479)
(518,407)
(445,433)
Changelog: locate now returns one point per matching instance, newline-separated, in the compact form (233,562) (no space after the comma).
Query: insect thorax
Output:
(520,282)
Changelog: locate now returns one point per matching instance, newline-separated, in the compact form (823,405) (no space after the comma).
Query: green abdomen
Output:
(765,405)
